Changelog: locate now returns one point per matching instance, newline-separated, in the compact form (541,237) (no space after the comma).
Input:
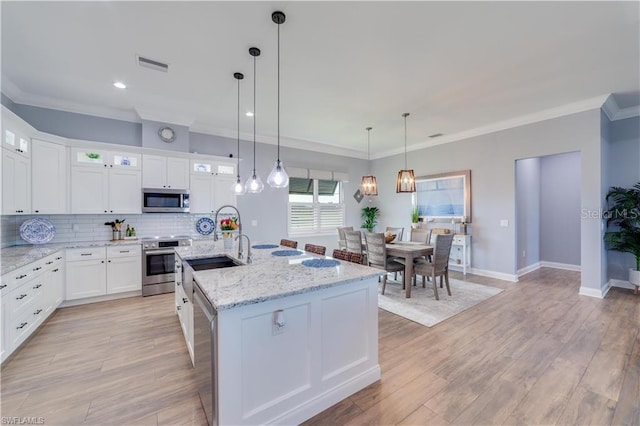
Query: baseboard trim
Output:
(331,397)
(530,268)
(564,266)
(593,292)
(621,284)
(493,274)
(106,298)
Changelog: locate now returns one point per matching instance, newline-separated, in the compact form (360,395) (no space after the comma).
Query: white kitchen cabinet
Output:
(4,329)
(105,182)
(15,134)
(125,191)
(48,178)
(86,272)
(124,269)
(89,190)
(210,186)
(53,281)
(16,183)
(165,172)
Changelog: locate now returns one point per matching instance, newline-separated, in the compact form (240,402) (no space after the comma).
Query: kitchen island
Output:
(290,340)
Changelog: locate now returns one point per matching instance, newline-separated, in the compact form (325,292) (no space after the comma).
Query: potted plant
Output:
(415,216)
(624,212)
(370,216)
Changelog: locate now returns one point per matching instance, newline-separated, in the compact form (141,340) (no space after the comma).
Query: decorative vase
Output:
(227,240)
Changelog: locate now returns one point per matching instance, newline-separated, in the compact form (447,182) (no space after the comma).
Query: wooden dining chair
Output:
(439,265)
(347,256)
(342,238)
(397,231)
(354,241)
(377,256)
(312,248)
(420,235)
(289,243)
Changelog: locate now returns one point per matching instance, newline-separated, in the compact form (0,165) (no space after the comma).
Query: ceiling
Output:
(457,67)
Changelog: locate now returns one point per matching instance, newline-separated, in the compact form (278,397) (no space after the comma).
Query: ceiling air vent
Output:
(435,135)
(152,64)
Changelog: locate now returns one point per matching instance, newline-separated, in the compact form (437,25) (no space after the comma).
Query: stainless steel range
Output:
(158,263)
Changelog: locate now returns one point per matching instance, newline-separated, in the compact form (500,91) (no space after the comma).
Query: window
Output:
(315,206)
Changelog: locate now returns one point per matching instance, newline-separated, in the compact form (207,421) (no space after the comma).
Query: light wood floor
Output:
(535,354)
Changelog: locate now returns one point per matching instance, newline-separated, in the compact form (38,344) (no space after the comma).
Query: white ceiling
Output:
(455,66)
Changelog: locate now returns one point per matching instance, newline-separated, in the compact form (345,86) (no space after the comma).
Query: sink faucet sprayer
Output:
(215,234)
(249,258)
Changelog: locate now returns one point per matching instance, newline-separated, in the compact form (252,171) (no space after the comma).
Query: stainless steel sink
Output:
(214,262)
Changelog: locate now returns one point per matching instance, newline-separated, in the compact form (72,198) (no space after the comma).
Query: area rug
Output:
(424,309)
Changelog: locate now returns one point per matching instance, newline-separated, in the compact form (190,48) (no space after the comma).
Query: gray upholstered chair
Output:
(420,235)
(377,256)
(439,265)
(342,238)
(353,241)
(397,231)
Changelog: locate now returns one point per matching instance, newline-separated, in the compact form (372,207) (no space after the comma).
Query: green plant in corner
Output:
(370,217)
(415,215)
(624,212)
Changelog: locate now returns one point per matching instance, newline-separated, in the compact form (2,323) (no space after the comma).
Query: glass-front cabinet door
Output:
(124,160)
(88,157)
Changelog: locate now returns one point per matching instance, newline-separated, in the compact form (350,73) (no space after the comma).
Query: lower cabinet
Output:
(184,310)
(124,269)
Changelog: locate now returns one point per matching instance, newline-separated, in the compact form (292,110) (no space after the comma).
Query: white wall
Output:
(528,211)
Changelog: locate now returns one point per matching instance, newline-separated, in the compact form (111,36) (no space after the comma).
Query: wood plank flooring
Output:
(537,353)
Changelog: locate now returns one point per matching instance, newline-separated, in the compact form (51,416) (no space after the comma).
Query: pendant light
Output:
(238,188)
(278,177)
(254,183)
(406,179)
(369,185)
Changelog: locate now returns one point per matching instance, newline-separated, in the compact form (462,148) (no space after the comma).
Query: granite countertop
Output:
(268,277)
(16,256)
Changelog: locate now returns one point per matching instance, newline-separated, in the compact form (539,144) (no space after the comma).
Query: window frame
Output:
(316,206)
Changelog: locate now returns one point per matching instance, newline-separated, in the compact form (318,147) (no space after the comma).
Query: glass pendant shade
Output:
(238,187)
(254,184)
(278,178)
(369,185)
(406,181)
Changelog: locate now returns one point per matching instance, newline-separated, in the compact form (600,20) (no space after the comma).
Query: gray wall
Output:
(528,211)
(623,170)
(150,138)
(560,177)
(79,126)
(491,159)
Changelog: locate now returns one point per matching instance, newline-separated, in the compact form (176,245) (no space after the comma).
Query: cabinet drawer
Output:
(14,279)
(85,253)
(21,298)
(52,262)
(458,240)
(23,326)
(124,251)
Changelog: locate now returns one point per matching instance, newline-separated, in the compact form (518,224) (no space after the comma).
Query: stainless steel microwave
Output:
(163,200)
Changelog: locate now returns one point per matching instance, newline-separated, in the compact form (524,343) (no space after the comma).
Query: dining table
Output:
(408,250)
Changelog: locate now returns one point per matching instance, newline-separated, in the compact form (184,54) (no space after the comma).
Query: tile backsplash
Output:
(92,227)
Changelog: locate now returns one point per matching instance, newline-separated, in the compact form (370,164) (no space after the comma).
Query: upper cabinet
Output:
(14,140)
(48,178)
(165,172)
(105,182)
(16,164)
(211,185)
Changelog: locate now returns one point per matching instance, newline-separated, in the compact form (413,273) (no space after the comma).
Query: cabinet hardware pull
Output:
(35,287)
(102,261)
(185,300)
(22,296)
(124,251)
(20,277)
(109,261)
(50,262)
(55,270)
(86,254)
(37,211)
(21,325)
(37,269)
(59,258)
(2,286)
(178,307)
(37,312)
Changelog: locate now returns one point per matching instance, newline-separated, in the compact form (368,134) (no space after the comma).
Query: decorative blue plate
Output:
(37,231)
(287,253)
(320,263)
(205,226)
(265,246)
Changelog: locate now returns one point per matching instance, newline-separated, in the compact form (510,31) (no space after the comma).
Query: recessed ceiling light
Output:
(249,114)
(120,85)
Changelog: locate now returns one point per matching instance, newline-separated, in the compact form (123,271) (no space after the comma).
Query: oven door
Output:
(158,266)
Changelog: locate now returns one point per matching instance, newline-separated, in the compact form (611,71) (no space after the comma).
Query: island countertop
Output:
(268,276)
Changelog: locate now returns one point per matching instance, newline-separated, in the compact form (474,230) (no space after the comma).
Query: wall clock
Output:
(167,134)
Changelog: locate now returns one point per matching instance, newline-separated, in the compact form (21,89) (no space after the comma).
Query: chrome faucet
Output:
(215,234)
(249,258)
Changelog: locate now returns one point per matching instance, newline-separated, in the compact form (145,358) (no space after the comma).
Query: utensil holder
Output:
(117,235)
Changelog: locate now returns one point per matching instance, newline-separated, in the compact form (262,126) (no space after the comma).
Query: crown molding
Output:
(613,111)
(161,116)
(575,107)
(10,90)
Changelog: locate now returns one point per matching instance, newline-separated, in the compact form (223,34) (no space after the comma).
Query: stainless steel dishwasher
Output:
(205,332)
